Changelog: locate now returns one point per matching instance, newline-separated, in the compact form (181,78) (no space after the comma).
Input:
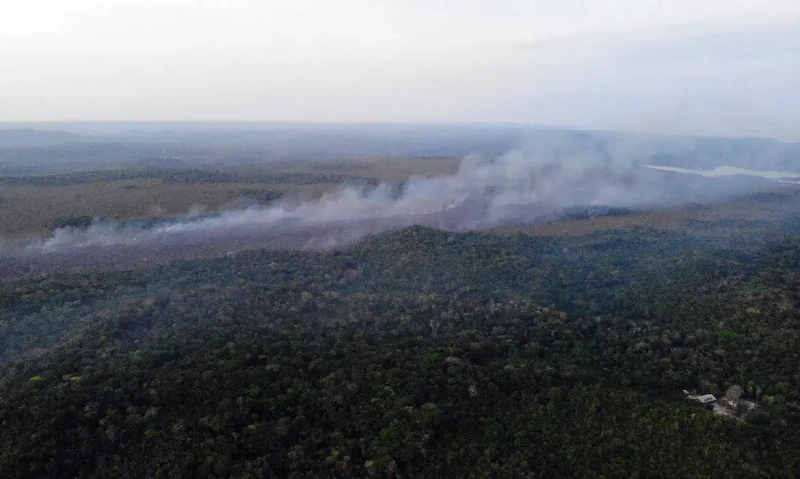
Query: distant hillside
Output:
(34,150)
(22,137)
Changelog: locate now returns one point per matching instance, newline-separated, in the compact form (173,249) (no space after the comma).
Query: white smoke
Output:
(519,186)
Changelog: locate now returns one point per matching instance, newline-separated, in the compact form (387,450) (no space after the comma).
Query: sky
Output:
(719,67)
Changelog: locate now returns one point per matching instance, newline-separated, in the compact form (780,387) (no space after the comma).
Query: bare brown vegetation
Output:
(27,208)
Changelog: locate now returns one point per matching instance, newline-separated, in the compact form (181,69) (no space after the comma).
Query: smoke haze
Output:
(537,182)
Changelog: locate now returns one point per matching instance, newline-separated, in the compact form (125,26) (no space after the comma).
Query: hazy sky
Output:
(680,66)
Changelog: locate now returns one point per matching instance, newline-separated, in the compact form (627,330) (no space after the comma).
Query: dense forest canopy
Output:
(415,353)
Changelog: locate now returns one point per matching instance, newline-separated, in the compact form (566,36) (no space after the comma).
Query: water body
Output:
(722,171)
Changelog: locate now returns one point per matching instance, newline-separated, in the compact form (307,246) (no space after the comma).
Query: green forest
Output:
(416,353)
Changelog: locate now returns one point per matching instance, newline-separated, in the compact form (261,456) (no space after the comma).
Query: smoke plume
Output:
(532,184)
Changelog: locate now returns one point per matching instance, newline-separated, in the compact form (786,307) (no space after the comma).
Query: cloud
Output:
(709,67)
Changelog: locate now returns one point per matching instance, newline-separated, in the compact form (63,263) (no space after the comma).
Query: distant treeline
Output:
(180,176)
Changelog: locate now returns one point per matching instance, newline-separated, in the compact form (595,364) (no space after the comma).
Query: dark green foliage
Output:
(418,353)
(260,196)
(75,221)
(586,212)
